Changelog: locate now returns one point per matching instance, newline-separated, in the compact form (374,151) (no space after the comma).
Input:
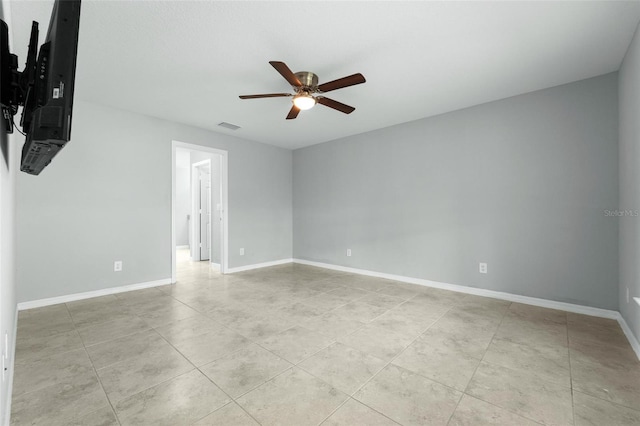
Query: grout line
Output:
(93,367)
(385,366)
(483,360)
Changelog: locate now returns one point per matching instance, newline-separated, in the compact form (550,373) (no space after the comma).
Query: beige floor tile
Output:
(366,283)
(474,412)
(292,398)
(590,411)
(533,333)
(100,315)
(31,349)
(110,330)
(102,417)
(619,385)
(440,362)
(400,323)
(332,325)
(263,325)
(490,304)
(296,343)
(229,415)
(439,297)
(421,310)
(408,398)
(167,313)
(187,328)
(343,367)
(242,371)
(49,371)
(131,346)
(479,314)
(56,405)
(349,293)
(606,355)
(233,314)
(382,300)
(378,341)
(601,330)
(204,348)
(179,401)
(143,296)
(537,314)
(42,322)
(353,413)
(298,312)
(360,311)
(471,339)
(399,291)
(327,301)
(546,362)
(523,394)
(135,374)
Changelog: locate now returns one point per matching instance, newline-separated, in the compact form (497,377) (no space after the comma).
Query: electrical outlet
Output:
(348,252)
(483,268)
(117,266)
(242,252)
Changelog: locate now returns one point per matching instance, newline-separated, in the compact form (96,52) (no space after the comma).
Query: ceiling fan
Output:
(305,86)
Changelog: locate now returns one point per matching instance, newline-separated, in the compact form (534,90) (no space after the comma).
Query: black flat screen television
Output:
(45,87)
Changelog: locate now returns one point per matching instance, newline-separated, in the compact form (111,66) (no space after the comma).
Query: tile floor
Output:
(297,345)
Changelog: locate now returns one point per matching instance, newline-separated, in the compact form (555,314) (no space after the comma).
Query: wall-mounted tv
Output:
(44,88)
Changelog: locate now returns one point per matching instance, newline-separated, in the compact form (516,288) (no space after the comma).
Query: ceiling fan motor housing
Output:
(308,79)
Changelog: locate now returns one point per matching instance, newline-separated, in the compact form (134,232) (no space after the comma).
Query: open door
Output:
(204,183)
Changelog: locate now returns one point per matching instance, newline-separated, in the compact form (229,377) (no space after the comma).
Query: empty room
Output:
(320,213)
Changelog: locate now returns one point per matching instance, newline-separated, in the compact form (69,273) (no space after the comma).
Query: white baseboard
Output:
(215,266)
(257,266)
(630,336)
(545,303)
(182,247)
(89,294)
(12,355)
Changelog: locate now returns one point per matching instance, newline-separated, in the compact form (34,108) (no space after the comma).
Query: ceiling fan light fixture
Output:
(304,101)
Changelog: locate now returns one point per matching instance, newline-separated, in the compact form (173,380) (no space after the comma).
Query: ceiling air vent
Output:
(228,126)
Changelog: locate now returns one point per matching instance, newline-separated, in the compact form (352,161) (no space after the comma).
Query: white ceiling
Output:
(189,61)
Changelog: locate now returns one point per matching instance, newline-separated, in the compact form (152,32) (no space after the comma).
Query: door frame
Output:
(224,195)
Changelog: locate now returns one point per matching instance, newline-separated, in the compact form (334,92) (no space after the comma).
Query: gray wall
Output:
(107,196)
(520,183)
(8,171)
(629,93)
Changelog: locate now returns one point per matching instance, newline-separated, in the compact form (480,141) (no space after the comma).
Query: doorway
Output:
(199,206)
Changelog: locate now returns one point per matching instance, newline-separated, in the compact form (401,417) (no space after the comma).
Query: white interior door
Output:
(204,181)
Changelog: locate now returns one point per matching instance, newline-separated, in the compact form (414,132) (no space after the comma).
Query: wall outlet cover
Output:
(482,268)
(117,266)
(348,252)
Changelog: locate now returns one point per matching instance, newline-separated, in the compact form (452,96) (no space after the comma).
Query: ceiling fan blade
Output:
(284,71)
(351,80)
(335,105)
(293,113)
(267,95)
